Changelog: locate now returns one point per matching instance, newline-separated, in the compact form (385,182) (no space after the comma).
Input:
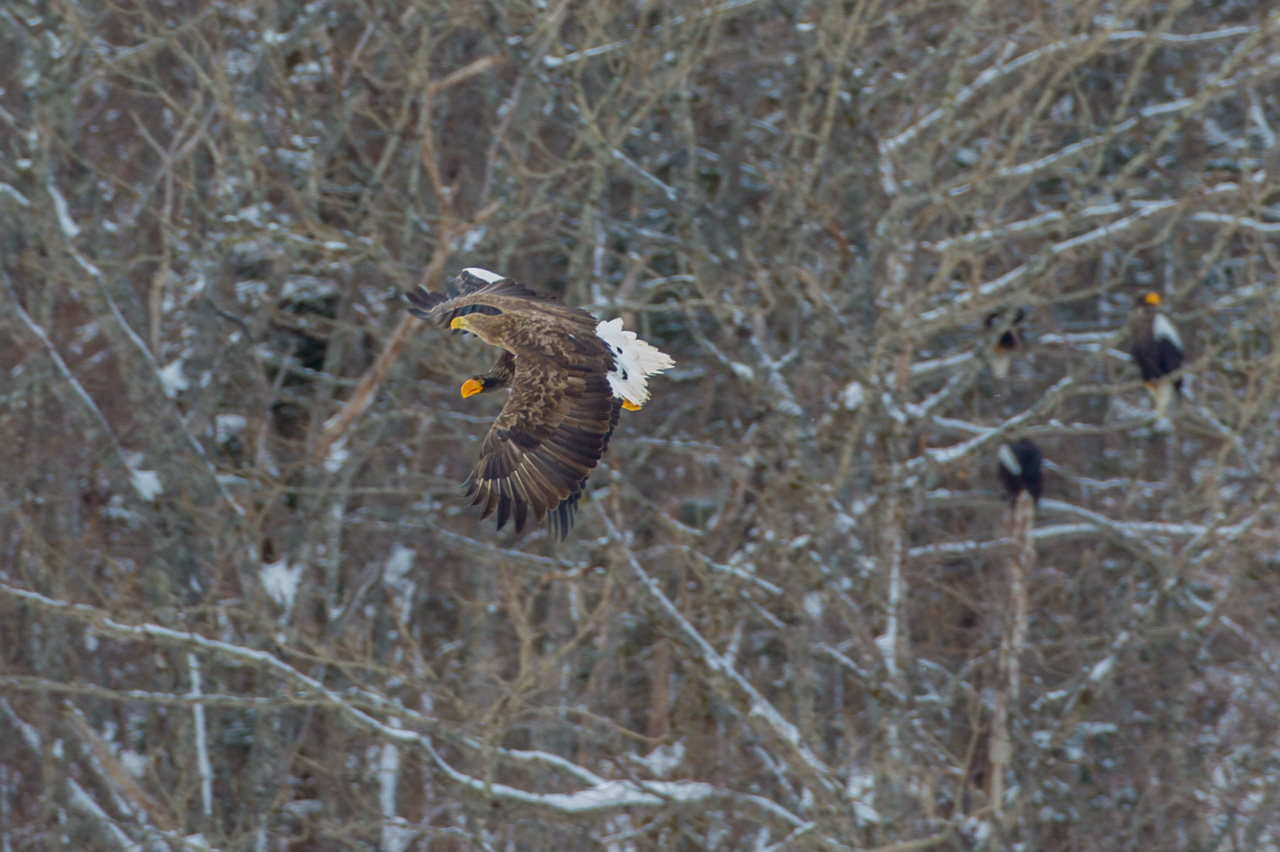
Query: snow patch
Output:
(338,455)
(472,238)
(663,760)
(853,396)
(280,582)
(132,762)
(146,483)
(68,225)
(813,605)
(228,426)
(861,790)
(617,794)
(1102,668)
(172,379)
(395,575)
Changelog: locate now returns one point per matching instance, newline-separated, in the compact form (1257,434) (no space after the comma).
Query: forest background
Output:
(242,605)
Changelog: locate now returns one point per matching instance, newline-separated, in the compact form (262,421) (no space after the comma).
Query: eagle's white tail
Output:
(634,360)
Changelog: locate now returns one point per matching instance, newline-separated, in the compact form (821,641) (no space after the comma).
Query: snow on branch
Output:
(82,801)
(760,713)
(602,795)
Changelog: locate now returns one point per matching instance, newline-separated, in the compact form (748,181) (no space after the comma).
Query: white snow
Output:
(172,379)
(396,833)
(396,576)
(338,455)
(68,225)
(8,190)
(146,483)
(617,794)
(634,361)
(1102,668)
(471,239)
(132,762)
(813,605)
(853,396)
(228,426)
(861,790)
(885,642)
(483,274)
(664,759)
(280,582)
(202,742)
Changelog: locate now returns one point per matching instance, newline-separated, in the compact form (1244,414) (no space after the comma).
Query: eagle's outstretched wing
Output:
(547,439)
(468,293)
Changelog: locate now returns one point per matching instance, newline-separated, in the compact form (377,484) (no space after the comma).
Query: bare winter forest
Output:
(244,607)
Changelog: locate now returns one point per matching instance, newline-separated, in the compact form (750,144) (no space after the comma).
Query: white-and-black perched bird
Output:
(1157,350)
(1009,341)
(1019,468)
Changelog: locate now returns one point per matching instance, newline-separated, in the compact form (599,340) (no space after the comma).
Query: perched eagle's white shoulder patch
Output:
(484,274)
(1009,461)
(633,361)
(1163,329)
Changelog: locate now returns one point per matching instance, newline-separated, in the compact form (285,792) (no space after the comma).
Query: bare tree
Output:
(242,605)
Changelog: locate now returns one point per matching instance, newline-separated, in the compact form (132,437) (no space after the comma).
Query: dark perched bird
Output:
(1009,341)
(570,375)
(1156,349)
(1019,468)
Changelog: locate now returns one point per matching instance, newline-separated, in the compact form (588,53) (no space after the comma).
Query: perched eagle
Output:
(1157,350)
(570,375)
(1019,468)
(1009,341)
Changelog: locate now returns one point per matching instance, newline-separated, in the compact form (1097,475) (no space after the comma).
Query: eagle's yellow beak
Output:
(1152,298)
(470,387)
(629,405)
(459,322)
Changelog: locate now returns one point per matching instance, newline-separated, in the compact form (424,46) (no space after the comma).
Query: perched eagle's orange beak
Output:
(629,405)
(458,322)
(1152,298)
(470,387)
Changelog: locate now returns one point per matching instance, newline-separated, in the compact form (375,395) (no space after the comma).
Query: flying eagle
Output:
(1019,468)
(570,375)
(1009,341)
(1157,350)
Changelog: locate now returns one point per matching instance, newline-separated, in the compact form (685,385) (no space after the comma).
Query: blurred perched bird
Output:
(570,376)
(1009,341)
(1157,350)
(1019,468)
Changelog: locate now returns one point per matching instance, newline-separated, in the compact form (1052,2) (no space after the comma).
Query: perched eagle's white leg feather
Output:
(634,360)
(1000,363)
(1161,396)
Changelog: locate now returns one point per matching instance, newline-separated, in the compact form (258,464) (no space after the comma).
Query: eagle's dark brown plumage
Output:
(569,375)
(1019,468)
(1156,349)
